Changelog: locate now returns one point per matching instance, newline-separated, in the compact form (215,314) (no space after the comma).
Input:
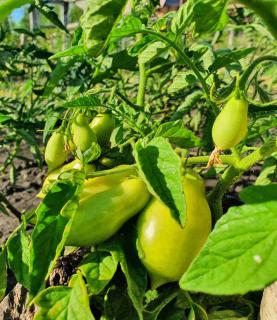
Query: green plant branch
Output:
(226,159)
(232,173)
(251,67)
(11,208)
(142,85)
(183,55)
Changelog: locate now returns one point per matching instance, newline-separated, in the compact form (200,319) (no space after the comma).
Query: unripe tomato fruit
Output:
(82,135)
(105,204)
(55,153)
(53,175)
(103,125)
(165,248)
(230,126)
(107,162)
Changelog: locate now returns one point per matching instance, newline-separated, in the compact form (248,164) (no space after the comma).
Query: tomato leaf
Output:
(117,305)
(259,194)
(205,16)
(163,298)
(64,303)
(51,229)
(182,80)
(57,74)
(123,250)
(160,168)
(3,273)
(89,101)
(18,253)
(268,171)
(98,268)
(151,51)
(178,134)
(130,26)
(72,51)
(4,117)
(98,21)
(240,254)
(224,57)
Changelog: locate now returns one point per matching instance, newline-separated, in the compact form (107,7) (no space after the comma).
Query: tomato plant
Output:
(156,131)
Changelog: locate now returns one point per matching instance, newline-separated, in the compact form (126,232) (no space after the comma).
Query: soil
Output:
(22,193)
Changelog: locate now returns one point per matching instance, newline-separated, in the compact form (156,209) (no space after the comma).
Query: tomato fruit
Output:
(107,162)
(82,135)
(230,126)
(103,125)
(105,204)
(55,152)
(53,175)
(165,248)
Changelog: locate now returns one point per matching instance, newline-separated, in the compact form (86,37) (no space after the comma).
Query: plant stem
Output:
(12,209)
(249,70)
(226,159)
(233,173)
(142,82)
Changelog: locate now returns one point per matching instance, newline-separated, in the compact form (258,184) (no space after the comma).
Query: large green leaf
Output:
(160,168)
(49,235)
(205,16)
(98,21)
(64,303)
(176,132)
(123,250)
(18,253)
(98,268)
(240,254)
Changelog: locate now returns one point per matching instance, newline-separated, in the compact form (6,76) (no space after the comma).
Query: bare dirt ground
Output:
(21,194)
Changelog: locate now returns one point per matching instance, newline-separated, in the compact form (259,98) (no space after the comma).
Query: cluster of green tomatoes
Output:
(107,202)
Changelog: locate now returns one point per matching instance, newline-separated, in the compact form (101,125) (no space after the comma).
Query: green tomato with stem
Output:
(166,248)
(230,126)
(103,125)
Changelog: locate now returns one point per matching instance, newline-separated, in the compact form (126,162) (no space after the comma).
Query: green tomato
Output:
(230,126)
(55,153)
(165,248)
(53,175)
(82,135)
(105,204)
(103,125)
(107,162)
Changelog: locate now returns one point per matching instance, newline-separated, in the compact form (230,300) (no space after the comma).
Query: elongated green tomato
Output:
(165,248)
(230,126)
(53,175)
(103,125)
(106,203)
(82,135)
(55,153)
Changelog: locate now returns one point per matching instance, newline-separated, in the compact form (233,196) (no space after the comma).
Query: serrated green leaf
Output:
(89,101)
(160,168)
(123,250)
(259,194)
(18,254)
(151,51)
(98,21)
(178,134)
(240,254)
(98,268)
(64,303)
(50,233)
